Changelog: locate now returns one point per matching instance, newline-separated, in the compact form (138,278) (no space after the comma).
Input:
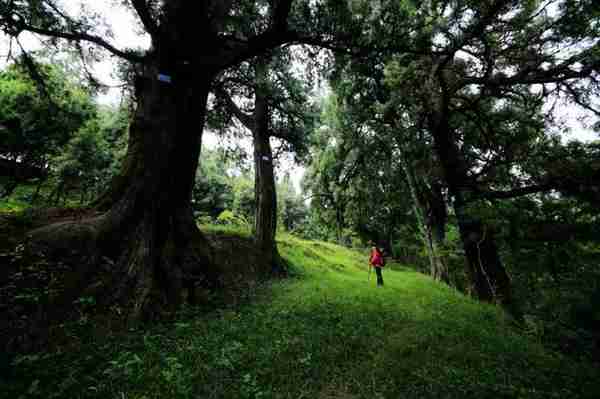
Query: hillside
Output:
(326,332)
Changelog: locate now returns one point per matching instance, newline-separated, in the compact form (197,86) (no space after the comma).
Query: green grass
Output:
(21,199)
(226,230)
(326,333)
(18,200)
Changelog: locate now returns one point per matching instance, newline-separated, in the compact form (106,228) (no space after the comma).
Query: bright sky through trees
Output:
(128,33)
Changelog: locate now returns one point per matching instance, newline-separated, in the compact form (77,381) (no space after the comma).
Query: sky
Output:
(128,33)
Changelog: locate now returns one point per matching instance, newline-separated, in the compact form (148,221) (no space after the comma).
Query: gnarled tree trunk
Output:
(488,278)
(148,226)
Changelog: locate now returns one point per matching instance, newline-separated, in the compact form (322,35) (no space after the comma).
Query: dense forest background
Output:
(427,127)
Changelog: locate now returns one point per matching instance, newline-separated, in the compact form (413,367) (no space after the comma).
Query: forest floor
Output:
(325,332)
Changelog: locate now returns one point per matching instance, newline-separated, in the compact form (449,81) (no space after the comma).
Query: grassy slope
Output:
(327,333)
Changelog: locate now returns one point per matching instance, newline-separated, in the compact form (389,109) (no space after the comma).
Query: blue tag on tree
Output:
(164,78)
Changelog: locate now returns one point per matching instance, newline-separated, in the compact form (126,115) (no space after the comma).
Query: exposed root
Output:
(78,260)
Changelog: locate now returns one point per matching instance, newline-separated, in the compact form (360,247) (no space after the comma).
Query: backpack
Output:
(379,259)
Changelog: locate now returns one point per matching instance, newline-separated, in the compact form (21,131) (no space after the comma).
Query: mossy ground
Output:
(326,332)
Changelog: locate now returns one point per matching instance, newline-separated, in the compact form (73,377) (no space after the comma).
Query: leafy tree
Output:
(471,80)
(280,110)
(400,143)
(292,210)
(91,157)
(244,196)
(355,180)
(35,124)
(328,199)
(149,205)
(81,165)
(213,191)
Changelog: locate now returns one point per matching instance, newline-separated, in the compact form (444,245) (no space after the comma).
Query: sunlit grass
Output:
(328,332)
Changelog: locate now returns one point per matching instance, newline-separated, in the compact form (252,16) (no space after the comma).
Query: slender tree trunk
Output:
(339,219)
(437,267)
(36,195)
(265,194)
(436,229)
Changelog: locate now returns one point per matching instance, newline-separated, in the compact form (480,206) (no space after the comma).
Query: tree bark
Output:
(430,232)
(144,224)
(436,230)
(488,278)
(265,221)
(167,249)
(148,228)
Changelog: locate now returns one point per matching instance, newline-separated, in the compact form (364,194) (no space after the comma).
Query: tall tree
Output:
(147,224)
(484,71)
(408,147)
(280,110)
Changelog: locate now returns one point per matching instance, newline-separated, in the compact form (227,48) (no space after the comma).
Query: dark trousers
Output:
(379,276)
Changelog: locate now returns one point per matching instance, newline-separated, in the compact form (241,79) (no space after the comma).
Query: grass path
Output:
(326,333)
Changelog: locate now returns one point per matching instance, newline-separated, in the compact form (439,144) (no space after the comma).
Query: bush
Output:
(227,217)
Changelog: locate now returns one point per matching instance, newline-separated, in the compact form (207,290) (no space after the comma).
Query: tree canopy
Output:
(35,122)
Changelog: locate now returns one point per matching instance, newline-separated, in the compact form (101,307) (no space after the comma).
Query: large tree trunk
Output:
(265,222)
(488,278)
(148,228)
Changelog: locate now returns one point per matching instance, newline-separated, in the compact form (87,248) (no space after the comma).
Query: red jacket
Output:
(376,258)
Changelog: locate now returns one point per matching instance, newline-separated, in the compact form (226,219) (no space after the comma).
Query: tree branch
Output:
(517,192)
(559,73)
(579,101)
(81,36)
(244,118)
(35,74)
(142,9)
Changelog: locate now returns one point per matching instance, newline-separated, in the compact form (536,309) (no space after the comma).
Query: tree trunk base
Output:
(139,288)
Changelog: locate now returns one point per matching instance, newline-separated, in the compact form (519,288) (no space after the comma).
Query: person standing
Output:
(377,261)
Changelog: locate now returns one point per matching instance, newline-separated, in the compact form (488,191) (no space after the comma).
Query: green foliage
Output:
(85,160)
(60,134)
(91,158)
(213,191)
(227,229)
(34,126)
(227,217)
(357,184)
(291,210)
(325,333)
(244,203)
(551,249)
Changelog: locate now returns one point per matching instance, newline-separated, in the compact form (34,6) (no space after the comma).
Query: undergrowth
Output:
(327,332)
